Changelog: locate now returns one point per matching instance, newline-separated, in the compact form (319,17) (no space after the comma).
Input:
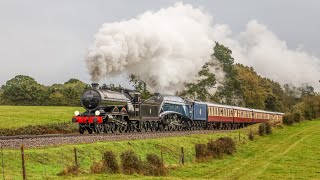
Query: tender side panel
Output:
(200,111)
(149,111)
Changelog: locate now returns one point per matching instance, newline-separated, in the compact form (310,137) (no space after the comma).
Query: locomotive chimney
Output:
(95,85)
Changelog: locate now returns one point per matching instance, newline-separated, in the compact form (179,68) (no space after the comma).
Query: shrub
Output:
(287,119)
(70,170)
(262,129)
(268,128)
(154,166)
(229,146)
(110,162)
(221,146)
(97,167)
(297,117)
(131,163)
(201,151)
(215,148)
(251,136)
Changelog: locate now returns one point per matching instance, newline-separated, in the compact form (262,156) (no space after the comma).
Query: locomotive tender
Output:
(124,111)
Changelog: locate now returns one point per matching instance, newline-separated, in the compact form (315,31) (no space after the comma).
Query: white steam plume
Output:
(262,49)
(164,48)
(168,47)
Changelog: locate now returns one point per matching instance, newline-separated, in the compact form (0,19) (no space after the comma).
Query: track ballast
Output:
(31,141)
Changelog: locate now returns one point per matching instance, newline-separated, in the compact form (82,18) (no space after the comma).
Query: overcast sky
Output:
(48,40)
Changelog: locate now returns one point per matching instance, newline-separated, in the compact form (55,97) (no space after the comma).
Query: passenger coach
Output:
(232,117)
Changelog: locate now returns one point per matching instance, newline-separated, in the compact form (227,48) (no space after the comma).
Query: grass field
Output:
(20,116)
(289,153)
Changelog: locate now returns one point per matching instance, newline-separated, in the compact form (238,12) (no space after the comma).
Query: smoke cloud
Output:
(260,48)
(167,48)
(164,48)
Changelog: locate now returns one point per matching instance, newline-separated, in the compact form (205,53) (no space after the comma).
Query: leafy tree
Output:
(2,98)
(200,89)
(230,91)
(68,93)
(24,90)
(73,80)
(307,90)
(140,86)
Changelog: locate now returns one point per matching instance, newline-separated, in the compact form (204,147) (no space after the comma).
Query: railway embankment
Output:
(284,154)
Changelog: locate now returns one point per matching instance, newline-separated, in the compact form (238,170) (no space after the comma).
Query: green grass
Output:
(20,116)
(289,153)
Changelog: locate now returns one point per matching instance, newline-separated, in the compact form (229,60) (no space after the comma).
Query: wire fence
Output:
(50,162)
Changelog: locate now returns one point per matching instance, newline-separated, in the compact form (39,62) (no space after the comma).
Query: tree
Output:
(24,90)
(230,91)
(201,89)
(72,91)
(140,86)
(258,92)
(73,80)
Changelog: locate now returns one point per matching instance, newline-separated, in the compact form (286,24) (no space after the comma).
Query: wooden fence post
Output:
(2,164)
(182,156)
(23,163)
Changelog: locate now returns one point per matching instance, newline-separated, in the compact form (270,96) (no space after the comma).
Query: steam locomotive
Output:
(121,111)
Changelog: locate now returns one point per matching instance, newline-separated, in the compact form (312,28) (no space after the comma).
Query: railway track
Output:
(31,141)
